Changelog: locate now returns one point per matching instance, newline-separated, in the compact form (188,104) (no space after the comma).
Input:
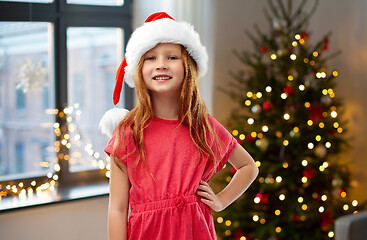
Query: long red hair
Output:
(193,114)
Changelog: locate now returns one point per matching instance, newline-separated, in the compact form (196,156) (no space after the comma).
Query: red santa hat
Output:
(158,28)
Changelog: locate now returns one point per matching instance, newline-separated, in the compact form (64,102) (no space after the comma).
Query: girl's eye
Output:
(173,58)
(150,58)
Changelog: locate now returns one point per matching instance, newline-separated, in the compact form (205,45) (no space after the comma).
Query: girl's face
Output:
(163,71)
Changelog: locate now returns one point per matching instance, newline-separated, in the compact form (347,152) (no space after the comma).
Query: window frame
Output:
(62,16)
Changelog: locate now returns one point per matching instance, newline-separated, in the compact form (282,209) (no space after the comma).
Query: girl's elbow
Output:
(255,170)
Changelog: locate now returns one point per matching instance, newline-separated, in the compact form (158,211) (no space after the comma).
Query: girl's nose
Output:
(161,64)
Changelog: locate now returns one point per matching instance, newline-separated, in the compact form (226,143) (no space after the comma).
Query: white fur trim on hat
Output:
(163,30)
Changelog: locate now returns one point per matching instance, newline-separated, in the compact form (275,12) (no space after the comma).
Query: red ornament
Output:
(295,218)
(264,49)
(325,45)
(326,219)
(309,173)
(333,132)
(233,170)
(315,113)
(239,141)
(265,198)
(250,138)
(288,90)
(267,106)
(238,235)
(304,35)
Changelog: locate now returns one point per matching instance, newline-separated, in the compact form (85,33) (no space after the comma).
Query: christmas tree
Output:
(289,120)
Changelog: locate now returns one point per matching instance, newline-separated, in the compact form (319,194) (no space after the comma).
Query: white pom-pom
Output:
(111,119)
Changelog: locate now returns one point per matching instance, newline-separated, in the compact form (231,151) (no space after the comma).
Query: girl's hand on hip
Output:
(209,197)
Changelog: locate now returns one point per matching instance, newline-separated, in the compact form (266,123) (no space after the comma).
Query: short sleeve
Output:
(110,147)
(227,141)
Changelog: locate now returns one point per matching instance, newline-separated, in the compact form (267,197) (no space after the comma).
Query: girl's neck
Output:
(165,107)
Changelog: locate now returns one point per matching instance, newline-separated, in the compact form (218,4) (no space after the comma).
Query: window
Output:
(18,165)
(97,2)
(91,53)
(57,72)
(20,99)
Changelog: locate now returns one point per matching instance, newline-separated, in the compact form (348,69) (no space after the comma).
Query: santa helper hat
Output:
(158,28)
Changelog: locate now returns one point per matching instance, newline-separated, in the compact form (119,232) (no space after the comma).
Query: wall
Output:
(75,220)
(347,20)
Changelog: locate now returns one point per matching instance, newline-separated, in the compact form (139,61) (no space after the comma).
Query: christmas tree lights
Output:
(290,121)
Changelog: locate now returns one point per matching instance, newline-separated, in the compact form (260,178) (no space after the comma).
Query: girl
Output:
(167,148)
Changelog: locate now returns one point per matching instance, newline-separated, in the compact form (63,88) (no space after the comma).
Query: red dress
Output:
(169,208)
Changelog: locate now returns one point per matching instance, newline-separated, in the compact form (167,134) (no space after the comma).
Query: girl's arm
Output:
(118,202)
(246,173)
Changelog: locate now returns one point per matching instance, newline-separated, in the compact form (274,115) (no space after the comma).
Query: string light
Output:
(247,102)
(281,197)
(324,198)
(250,121)
(304,163)
(286,116)
(301,87)
(50,185)
(331,234)
(333,114)
(219,219)
(268,89)
(273,56)
(234,132)
(343,194)
(293,56)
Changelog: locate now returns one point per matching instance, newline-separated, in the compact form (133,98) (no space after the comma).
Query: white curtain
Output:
(201,14)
